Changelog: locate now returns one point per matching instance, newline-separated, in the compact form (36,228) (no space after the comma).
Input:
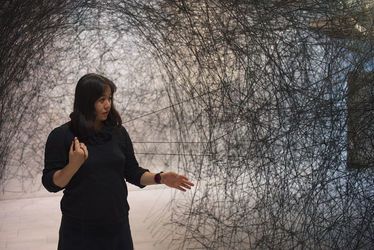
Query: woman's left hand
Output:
(175,180)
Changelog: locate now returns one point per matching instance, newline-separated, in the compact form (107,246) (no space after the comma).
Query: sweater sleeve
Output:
(132,171)
(55,158)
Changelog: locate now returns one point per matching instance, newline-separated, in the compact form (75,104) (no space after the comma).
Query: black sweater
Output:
(97,193)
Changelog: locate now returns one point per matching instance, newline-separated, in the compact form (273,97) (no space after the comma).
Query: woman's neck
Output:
(98,125)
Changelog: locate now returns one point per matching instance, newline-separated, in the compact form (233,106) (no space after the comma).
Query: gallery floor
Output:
(33,223)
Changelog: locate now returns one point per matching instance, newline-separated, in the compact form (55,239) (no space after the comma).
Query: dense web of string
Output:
(258,97)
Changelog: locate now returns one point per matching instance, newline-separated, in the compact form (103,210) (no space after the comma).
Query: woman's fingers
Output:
(188,183)
(183,177)
(76,144)
(177,181)
(85,150)
(78,152)
(185,181)
(185,185)
(72,147)
(79,147)
(181,189)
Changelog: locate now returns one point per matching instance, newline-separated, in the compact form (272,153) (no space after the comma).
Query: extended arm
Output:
(170,179)
(142,177)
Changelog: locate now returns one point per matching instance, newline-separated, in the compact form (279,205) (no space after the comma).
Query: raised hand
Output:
(78,153)
(175,180)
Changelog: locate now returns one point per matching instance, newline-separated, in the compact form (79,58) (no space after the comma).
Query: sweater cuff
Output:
(140,174)
(47,180)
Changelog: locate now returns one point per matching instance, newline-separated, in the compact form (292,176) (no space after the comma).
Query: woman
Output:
(89,157)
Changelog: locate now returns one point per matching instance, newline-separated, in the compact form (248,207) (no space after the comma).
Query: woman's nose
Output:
(107,104)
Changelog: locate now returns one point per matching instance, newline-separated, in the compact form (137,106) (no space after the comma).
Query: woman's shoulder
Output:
(121,133)
(122,130)
(61,131)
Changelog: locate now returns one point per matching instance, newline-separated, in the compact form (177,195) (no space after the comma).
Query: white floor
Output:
(33,223)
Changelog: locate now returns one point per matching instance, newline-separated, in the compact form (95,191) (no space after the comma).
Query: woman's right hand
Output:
(78,153)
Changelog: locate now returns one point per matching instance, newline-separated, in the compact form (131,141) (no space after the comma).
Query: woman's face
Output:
(103,105)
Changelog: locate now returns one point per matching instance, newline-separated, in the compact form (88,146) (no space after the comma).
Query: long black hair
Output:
(89,89)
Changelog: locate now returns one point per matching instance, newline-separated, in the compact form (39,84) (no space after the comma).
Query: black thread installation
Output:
(258,97)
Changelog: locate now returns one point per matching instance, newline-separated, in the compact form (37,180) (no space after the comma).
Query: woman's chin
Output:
(103,118)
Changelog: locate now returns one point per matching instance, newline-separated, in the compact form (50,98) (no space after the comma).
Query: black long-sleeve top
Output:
(97,193)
